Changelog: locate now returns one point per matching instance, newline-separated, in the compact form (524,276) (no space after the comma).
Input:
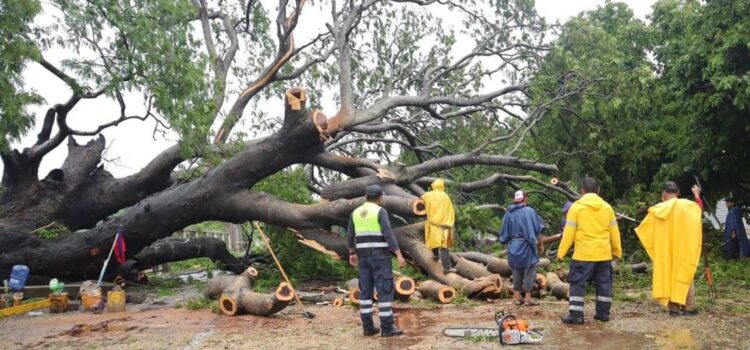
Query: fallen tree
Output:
(63,224)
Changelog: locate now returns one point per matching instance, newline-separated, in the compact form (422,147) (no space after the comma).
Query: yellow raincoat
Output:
(672,233)
(438,231)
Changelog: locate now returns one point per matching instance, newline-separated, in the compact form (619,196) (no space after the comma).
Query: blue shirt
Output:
(520,234)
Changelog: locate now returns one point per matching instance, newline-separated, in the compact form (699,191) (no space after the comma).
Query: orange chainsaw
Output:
(510,330)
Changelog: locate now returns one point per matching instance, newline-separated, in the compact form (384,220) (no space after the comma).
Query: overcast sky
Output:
(131,145)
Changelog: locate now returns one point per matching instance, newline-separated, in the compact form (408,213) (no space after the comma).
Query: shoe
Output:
(689,313)
(601,318)
(674,313)
(393,332)
(572,319)
(370,332)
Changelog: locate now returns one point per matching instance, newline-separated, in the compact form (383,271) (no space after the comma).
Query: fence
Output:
(232,236)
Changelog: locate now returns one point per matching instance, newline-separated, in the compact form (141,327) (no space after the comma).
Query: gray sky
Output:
(131,145)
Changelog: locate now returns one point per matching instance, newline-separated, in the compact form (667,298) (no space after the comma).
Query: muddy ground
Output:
(157,324)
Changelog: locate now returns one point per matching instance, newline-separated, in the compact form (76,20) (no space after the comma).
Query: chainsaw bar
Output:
(471,332)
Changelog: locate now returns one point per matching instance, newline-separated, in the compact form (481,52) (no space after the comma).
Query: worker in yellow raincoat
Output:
(672,234)
(438,231)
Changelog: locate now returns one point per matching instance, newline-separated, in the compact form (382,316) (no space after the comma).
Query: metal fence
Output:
(233,237)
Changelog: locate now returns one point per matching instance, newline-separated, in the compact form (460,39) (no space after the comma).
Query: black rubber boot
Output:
(392,332)
(601,318)
(572,318)
(371,331)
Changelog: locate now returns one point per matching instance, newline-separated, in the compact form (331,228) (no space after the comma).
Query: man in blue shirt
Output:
(520,234)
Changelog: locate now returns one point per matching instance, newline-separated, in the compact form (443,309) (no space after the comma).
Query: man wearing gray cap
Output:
(370,240)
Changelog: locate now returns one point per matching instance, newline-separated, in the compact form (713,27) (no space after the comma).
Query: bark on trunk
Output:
(469,269)
(557,287)
(437,291)
(217,285)
(175,249)
(317,298)
(80,255)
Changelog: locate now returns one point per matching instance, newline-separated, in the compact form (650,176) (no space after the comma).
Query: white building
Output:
(721,215)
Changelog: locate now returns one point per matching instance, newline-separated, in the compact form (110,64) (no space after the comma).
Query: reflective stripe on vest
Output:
(367,232)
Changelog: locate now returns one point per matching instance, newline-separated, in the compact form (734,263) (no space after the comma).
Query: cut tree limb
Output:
(559,289)
(243,300)
(437,291)
(405,287)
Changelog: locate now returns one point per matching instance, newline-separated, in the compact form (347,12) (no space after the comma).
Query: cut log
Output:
(338,302)
(470,269)
(316,298)
(354,295)
(437,291)
(245,301)
(352,283)
(541,280)
(544,264)
(499,266)
(639,267)
(557,287)
(217,285)
(405,287)
(481,258)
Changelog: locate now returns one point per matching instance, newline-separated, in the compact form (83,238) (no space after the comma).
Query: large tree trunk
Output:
(80,255)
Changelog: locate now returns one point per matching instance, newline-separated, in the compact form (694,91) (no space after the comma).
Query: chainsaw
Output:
(510,331)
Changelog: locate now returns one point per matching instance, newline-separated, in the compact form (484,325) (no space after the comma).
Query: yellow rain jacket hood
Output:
(592,226)
(438,232)
(672,233)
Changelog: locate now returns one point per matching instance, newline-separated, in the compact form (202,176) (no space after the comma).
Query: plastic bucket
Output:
(58,302)
(116,301)
(90,301)
(18,276)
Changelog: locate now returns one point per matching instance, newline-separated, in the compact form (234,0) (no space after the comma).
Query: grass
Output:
(200,303)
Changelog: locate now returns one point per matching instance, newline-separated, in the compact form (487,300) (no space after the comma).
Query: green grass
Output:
(196,264)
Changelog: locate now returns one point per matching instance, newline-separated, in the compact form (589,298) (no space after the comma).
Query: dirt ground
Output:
(156,324)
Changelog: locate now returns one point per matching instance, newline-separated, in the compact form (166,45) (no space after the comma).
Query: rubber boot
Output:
(391,332)
(371,331)
(572,318)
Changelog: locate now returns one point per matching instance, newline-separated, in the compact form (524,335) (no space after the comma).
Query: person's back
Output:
(440,220)
(591,224)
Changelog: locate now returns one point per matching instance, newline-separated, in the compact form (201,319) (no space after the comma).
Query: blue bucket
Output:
(18,277)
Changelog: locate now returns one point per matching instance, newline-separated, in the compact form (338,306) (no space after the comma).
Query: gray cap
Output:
(373,192)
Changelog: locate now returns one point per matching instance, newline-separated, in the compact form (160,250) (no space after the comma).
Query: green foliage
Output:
(52,231)
(703,55)
(196,264)
(15,51)
(142,45)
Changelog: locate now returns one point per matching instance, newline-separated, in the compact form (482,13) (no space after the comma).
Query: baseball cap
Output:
(519,196)
(374,191)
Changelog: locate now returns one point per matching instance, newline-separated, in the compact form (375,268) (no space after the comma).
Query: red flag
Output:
(120,247)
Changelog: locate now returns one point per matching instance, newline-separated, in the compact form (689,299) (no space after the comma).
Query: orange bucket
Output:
(90,301)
